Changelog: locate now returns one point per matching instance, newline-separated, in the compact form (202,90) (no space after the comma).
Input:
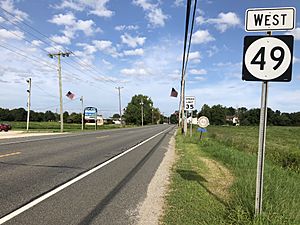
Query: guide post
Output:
(267,58)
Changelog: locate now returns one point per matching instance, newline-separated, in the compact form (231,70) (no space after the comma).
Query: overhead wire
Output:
(187,20)
(185,57)
(50,43)
(106,79)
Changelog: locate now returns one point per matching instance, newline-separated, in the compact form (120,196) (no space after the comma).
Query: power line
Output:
(185,57)
(51,41)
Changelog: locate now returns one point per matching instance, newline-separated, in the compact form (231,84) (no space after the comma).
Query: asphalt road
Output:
(33,170)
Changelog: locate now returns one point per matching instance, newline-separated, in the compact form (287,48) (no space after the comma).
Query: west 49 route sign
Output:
(268,58)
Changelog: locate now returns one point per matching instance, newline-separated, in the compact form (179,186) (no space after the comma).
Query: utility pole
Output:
(81,99)
(152,115)
(28,102)
(120,107)
(63,54)
(142,109)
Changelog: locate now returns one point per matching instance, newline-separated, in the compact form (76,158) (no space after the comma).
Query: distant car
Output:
(5,127)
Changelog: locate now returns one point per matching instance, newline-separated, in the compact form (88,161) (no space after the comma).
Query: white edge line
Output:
(65,185)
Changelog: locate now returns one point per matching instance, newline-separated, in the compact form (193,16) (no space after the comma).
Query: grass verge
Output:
(55,127)
(193,197)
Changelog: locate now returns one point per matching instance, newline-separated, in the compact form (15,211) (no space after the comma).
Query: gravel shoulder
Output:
(151,209)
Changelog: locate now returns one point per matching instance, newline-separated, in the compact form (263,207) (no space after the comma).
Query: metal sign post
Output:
(191,128)
(261,148)
(267,58)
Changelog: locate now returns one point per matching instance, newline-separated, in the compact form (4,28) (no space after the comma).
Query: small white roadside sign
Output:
(190,103)
(270,19)
(203,121)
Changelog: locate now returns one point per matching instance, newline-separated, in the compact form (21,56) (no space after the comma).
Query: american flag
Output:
(174,93)
(70,95)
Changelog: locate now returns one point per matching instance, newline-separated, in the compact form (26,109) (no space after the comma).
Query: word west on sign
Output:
(270,19)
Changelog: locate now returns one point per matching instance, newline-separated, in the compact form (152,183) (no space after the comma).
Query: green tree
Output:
(49,116)
(19,114)
(74,118)
(174,118)
(116,116)
(205,111)
(65,116)
(133,111)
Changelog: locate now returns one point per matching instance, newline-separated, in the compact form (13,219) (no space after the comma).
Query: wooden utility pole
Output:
(120,105)
(59,54)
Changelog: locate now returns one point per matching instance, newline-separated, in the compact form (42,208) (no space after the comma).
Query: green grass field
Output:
(55,126)
(223,191)
(282,143)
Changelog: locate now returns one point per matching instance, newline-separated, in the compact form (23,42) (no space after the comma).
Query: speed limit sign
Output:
(190,103)
(268,58)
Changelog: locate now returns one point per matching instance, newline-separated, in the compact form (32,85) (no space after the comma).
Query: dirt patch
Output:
(219,179)
(151,209)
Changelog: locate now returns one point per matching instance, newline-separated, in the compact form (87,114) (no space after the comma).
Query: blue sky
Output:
(136,44)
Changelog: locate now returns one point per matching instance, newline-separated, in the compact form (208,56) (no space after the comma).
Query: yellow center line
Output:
(10,154)
(102,137)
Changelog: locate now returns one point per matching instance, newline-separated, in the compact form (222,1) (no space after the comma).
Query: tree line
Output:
(20,114)
(132,113)
(217,116)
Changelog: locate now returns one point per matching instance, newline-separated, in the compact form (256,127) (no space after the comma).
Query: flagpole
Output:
(81,99)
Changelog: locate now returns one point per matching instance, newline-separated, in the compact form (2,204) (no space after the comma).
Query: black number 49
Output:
(259,58)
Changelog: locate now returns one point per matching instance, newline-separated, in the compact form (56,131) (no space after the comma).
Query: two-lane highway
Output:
(87,178)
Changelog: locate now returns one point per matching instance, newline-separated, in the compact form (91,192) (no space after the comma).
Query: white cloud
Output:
(198,72)
(212,51)
(8,5)
(61,39)
(138,51)
(64,19)
(296,33)
(124,27)
(200,20)
(202,36)
(225,21)
(134,72)
(88,49)
(157,17)
(96,7)
(178,3)
(195,57)
(154,14)
(106,47)
(199,78)
(37,43)
(13,34)
(132,41)
(72,25)
(55,48)
(86,27)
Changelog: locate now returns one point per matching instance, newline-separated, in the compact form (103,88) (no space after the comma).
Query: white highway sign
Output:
(268,58)
(270,19)
(190,102)
(203,121)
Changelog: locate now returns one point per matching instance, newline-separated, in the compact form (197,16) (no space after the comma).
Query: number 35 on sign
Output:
(190,103)
(268,58)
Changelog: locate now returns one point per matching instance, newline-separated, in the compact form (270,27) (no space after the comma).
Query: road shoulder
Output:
(151,209)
